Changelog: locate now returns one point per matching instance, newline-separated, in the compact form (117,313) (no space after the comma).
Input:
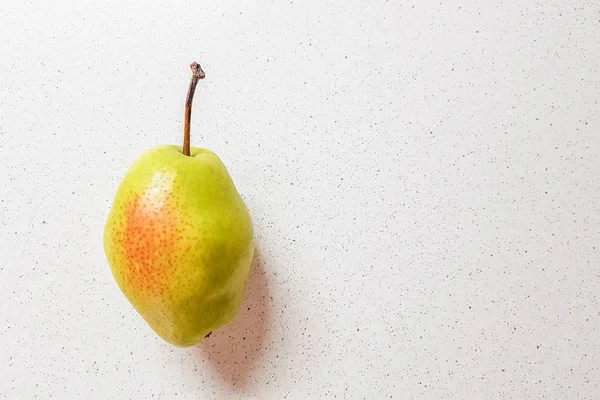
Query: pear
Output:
(179,239)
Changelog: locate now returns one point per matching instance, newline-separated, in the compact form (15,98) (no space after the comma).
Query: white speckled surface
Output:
(424,178)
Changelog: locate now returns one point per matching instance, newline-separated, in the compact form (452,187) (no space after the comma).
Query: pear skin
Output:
(179,243)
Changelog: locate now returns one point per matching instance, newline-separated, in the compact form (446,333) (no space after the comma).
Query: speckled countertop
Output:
(424,179)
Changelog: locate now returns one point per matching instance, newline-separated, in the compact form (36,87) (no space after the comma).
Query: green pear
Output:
(179,239)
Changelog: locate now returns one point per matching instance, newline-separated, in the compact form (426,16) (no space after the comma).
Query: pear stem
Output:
(197,74)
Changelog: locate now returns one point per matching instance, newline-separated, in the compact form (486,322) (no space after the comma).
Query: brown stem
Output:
(197,74)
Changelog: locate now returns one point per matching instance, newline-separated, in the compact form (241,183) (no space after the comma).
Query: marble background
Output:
(424,179)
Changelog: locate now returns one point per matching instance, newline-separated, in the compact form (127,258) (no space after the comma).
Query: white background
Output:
(424,179)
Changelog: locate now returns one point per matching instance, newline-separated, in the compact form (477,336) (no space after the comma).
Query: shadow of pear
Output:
(235,350)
